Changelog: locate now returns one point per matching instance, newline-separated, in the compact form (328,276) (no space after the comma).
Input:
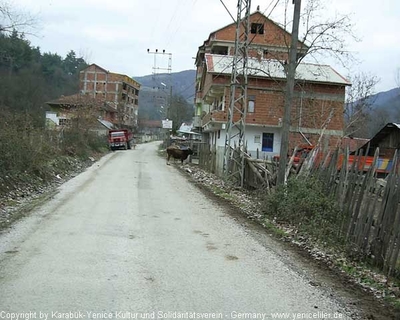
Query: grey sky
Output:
(117,34)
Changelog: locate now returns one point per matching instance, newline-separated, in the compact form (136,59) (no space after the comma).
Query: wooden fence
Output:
(370,220)
(207,157)
(258,173)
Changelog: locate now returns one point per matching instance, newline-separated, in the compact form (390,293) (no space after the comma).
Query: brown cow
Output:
(178,153)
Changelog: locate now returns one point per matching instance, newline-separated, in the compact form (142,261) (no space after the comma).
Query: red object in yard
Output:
(364,163)
(120,139)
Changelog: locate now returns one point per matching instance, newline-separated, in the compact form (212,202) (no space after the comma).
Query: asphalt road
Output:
(132,235)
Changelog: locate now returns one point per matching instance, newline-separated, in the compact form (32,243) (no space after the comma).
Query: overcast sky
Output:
(117,34)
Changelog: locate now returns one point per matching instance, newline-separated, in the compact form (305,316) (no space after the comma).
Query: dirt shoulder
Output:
(321,268)
(21,193)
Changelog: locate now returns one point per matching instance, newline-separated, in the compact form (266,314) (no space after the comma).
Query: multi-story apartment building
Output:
(110,98)
(118,92)
(319,91)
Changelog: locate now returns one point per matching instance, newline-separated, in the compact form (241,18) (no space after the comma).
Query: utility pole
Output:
(290,79)
(168,70)
(155,68)
(235,130)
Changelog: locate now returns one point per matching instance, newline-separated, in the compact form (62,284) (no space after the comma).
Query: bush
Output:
(32,152)
(305,205)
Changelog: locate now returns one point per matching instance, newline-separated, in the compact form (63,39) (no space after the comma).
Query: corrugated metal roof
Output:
(397,125)
(106,123)
(274,69)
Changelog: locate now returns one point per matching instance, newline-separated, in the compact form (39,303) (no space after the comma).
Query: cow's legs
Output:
(168,156)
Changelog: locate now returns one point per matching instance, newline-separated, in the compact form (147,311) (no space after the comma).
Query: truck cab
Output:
(119,139)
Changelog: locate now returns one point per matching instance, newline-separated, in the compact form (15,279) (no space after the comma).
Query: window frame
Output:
(257,28)
(251,98)
(267,137)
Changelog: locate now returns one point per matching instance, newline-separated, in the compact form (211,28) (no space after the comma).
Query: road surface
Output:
(132,238)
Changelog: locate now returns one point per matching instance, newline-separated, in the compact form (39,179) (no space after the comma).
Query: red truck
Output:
(120,139)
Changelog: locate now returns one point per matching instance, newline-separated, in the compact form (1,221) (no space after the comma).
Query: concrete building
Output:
(319,91)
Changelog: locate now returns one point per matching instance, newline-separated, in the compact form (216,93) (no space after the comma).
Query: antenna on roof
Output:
(258,8)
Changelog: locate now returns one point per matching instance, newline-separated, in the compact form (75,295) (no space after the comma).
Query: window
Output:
(63,122)
(257,28)
(268,142)
(218,104)
(251,104)
(219,50)
(257,138)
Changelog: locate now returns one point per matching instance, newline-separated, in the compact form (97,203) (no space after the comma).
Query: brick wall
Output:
(111,87)
(320,106)
(274,39)
(273,35)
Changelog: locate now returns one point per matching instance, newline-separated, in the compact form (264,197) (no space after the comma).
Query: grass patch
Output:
(274,229)
(394,301)
(222,193)
(305,205)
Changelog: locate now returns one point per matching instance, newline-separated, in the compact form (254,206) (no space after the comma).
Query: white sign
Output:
(167,124)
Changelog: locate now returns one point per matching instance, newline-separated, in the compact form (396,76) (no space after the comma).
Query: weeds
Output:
(33,155)
(304,205)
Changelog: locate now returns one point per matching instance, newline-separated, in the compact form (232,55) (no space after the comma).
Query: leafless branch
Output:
(359,101)
(13,19)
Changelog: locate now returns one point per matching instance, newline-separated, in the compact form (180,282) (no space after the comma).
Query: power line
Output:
(226,8)
(250,42)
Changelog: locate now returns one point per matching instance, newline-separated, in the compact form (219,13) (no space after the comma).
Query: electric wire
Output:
(250,42)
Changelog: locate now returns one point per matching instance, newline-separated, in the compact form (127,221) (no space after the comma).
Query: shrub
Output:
(30,152)
(305,205)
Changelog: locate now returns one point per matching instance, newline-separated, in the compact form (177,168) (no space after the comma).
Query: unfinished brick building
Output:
(103,95)
(118,92)
(319,91)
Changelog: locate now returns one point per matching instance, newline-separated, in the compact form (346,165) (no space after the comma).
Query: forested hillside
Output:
(29,78)
(31,155)
(385,108)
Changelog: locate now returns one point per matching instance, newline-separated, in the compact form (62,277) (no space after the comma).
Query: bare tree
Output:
(359,99)
(319,37)
(13,19)
(326,37)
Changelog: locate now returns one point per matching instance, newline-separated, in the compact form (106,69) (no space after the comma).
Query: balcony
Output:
(197,122)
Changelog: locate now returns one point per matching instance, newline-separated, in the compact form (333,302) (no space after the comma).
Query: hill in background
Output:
(388,101)
(385,108)
(155,91)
